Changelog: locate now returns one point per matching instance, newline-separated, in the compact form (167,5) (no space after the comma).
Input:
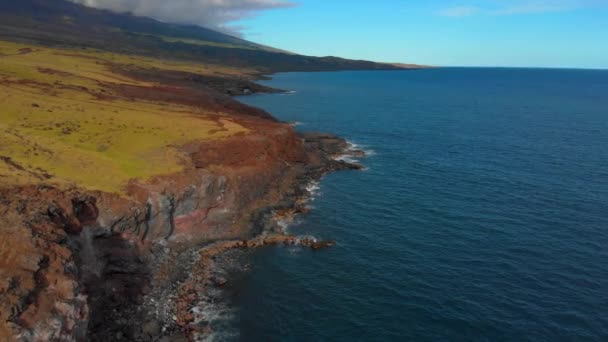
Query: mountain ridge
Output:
(66,24)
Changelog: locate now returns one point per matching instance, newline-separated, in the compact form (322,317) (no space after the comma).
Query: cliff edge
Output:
(114,171)
(126,167)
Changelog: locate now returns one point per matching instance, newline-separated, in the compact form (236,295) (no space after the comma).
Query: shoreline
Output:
(123,260)
(190,295)
(86,262)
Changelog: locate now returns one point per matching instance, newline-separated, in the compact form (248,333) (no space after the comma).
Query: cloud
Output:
(214,14)
(514,7)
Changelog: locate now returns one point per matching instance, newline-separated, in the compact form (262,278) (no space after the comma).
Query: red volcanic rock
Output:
(316,245)
(322,244)
(64,220)
(85,209)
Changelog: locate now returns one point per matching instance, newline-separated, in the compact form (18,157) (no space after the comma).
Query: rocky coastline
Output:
(111,240)
(126,167)
(182,279)
(109,267)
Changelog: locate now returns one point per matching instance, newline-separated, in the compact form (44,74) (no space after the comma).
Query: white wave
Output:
(218,316)
(347,158)
(297,247)
(284,223)
(289,92)
(214,314)
(314,191)
(352,152)
(369,152)
(301,238)
(351,145)
(313,187)
(354,147)
(296,123)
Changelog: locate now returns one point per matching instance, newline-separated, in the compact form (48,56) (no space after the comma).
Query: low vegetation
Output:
(62,122)
(67,24)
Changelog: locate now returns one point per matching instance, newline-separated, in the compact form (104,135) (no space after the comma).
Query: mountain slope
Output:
(62,23)
(64,12)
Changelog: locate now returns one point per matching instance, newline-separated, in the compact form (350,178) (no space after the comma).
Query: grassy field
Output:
(61,122)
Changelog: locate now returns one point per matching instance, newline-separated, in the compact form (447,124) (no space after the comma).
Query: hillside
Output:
(65,24)
(67,118)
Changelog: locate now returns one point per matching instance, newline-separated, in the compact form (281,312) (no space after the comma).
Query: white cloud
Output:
(215,14)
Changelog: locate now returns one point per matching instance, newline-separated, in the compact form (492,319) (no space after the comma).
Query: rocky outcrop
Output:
(191,292)
(42,296)
(85,265)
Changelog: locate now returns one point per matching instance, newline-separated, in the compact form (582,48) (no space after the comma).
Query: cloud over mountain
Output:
(215,14)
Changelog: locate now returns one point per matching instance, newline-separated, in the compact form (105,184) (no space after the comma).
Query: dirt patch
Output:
(55,72)
(12,163)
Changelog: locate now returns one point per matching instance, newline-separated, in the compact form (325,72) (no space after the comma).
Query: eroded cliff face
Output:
(115,171)
(83,265)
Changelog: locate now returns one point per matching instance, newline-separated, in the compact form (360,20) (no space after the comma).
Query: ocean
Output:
(482,214)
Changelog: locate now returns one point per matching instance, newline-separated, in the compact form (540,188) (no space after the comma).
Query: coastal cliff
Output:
(126,166)
(83,265)
(114,177)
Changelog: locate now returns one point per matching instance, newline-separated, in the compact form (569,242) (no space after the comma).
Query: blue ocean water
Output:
(483,214)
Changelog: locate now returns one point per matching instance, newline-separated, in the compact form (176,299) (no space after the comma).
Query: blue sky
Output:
(530,33)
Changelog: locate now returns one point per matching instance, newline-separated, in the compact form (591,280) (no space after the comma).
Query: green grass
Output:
(205,43)
(53,129)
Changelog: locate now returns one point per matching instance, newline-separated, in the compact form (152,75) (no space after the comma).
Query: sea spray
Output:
(214,311)
(353,152)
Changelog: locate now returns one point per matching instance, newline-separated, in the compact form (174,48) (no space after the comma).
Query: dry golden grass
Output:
(56,128)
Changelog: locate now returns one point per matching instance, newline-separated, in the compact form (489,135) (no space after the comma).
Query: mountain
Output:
(66,24)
